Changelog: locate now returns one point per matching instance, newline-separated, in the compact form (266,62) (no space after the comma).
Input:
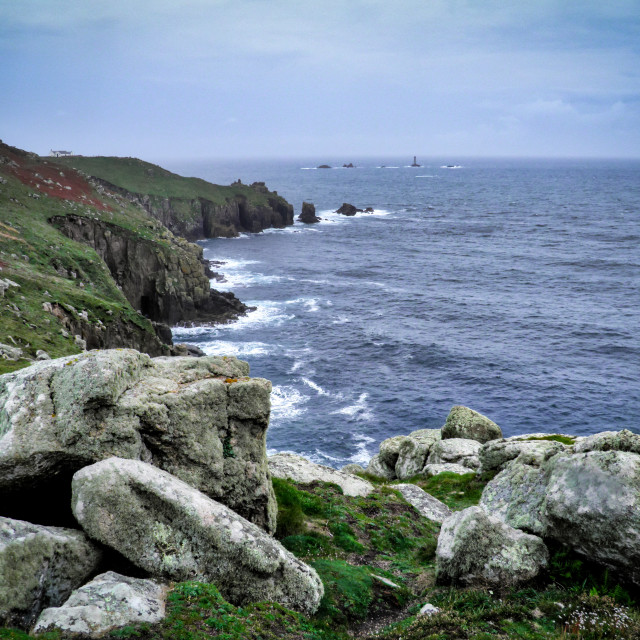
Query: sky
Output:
(195,79)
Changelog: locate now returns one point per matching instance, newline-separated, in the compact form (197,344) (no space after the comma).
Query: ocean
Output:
(509,286)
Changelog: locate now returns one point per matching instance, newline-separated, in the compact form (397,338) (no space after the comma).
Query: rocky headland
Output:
(89,258)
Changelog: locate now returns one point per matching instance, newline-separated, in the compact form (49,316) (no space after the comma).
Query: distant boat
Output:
(415,163)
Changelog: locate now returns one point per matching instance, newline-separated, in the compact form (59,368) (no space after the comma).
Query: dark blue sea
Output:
(509,286)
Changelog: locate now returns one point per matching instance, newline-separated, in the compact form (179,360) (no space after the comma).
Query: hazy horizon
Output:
(205,79)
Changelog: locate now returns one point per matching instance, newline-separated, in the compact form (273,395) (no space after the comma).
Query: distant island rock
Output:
(324,166)
(349,210)
(348,166)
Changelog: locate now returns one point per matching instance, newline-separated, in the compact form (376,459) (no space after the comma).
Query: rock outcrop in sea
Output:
(308,213)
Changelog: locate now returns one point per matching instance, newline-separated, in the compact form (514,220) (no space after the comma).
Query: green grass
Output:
(143,177)
(456,491)
(554,438)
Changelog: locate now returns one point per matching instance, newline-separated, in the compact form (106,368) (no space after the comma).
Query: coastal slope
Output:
(189,207)
(82,266)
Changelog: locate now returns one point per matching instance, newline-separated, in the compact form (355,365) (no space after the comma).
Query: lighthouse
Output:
(415,163)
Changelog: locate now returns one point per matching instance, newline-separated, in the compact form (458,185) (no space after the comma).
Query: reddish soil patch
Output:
(51,179)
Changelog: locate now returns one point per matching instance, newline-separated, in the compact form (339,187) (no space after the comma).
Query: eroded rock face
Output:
(516,496)
(477,549)
(201,419)
(172,530)
(460,451)
(308,213)
(377,467)
(593,505)
(623,440)
(424,503)
(39,567)
(463,422)
(108,602)
(299,469)
(496,454)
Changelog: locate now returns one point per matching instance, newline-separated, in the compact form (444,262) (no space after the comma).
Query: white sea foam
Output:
(286,403)
(358,411)
(267,312)
(316,387)
(451,166)
(426,176)
(362,454)
(237,349)
(310,304)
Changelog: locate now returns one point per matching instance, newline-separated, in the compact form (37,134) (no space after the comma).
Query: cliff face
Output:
(165,281)
(199,218)
(189,207)
(84,267)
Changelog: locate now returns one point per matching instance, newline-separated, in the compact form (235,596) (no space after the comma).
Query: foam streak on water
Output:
(511,287)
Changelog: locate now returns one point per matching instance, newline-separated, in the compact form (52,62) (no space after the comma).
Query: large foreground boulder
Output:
(299,469)
(592,504)
(108,602)
(40,567)
(172,530)
(201,419)
(463,422)
(476,549)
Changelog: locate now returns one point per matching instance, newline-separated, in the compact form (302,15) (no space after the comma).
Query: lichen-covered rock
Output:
(623,440)
(299,469)
(413,452)
(463,422)
(390,449)
(172,530)
(352,468)
(108,602)
(201,419)
(379,469)
(476,549)
(516,496)
(460,451)
(593,505)
(496,454)
(435,469)
(40,567)
(424,503)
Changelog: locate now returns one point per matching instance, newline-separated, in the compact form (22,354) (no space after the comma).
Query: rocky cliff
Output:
(189,207)
(84,267)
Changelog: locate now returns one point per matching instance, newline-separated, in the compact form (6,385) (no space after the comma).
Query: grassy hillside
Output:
(143,177)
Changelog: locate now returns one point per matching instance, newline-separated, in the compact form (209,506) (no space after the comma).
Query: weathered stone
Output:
(39,567)
(463,422)
(308,213)
(413,452)
(460,451)
(172,530)
(428,610)
(516,496)
(496,454)
(299,469)
(353,468)
(424,503)
(390,450)
(379,469)
(7,352)
(593,505)
(435,469)
(108,602)
(201,419)
(476,549)
(623,440)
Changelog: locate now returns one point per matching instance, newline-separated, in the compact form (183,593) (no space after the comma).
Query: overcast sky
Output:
(248,78)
